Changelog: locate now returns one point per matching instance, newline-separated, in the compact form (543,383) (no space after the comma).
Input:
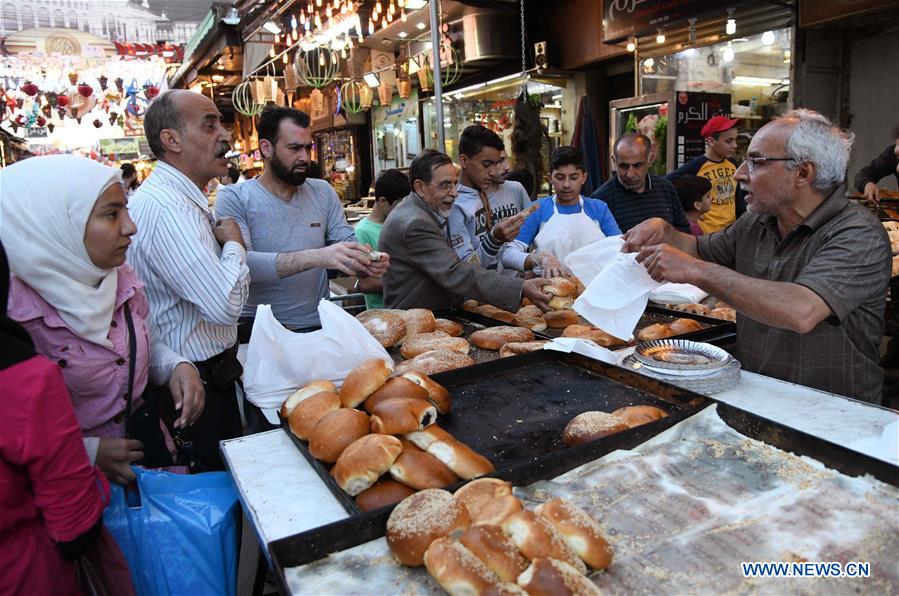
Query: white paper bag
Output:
(279,361)
(584,347)
(588,261)
(671,293)
(616,298)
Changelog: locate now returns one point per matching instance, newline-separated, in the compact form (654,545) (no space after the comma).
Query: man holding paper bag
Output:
(806,270)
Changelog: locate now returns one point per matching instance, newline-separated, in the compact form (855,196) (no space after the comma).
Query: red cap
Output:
(718,124)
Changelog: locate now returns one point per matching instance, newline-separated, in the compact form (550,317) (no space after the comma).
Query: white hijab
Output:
(45,203)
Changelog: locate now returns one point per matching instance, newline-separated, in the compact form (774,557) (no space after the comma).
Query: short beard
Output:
(286,174)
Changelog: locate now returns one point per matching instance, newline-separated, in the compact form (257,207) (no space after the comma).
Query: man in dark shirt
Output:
(633,196)
(806,270)
(883,165)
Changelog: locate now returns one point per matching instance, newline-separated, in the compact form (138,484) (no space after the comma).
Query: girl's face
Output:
(109,229)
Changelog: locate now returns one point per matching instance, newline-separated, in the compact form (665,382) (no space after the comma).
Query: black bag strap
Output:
(132,366)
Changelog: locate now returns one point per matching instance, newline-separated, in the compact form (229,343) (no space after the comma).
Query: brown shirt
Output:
(425,271)
(840,252)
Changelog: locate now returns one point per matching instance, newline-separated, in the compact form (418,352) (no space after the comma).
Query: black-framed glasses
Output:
(753,163)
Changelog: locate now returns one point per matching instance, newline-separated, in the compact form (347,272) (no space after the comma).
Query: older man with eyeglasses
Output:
(425,271)
(806,270)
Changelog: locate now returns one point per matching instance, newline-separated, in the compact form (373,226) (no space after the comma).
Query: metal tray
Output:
(713,329)
(316,544)
(513,411)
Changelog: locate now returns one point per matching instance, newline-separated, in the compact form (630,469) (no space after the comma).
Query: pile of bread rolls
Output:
(593,425)
(483,541)
(721,310)
(428,344)
(391,447)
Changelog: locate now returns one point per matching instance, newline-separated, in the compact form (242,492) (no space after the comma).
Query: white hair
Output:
(816,139)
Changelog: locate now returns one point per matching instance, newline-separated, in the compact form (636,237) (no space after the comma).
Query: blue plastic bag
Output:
(179,532)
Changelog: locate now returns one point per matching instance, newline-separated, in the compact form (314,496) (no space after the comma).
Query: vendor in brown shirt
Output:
(425,271)
(806,270)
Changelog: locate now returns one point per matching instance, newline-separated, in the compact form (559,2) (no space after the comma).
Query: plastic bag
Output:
(615,299)
(280,361)
(179,533)
(672,293)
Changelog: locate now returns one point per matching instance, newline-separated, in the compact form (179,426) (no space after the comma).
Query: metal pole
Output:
(434,6)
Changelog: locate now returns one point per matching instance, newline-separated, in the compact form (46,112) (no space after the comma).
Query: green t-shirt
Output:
(368,232)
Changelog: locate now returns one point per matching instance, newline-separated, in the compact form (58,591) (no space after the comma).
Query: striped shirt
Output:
(195,288)
(659,199)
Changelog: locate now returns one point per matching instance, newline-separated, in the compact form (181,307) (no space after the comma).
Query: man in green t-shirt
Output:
(390,187)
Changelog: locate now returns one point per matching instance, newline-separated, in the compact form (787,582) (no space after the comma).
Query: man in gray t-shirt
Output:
(294,227)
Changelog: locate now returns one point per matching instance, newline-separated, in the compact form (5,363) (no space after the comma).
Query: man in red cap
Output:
(720,134)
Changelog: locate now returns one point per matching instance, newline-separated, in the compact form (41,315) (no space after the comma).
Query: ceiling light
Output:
(421,26)
(649,63)
(218,78)
(731,27)
(728,55)
(293,21)
(768,38)
(660,37)
(371,79)
(272,27)
(746,81)
(415,4)
(403,34)
(631,45)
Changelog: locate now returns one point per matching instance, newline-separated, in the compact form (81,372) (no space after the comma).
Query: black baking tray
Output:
(315,544)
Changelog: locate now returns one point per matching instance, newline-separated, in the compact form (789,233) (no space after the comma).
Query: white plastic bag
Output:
(615,299)
(672,293)
(280,361)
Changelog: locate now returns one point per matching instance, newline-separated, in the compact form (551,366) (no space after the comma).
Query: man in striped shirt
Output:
(633,195)
(194,268)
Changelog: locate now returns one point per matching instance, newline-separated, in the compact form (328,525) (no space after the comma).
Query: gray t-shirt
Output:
(313,218)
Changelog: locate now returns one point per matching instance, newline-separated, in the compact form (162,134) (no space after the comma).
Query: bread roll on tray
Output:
(394,387)
(435,361)
(364,380)
(461,459)
(451,328)
(552,577)
(384,492)
(401,415)
(489,501)
(436,393)
(456,569)
(638,415)
(419,520)
(589,426)
(593,333)
(493,338)
(580,531)
(363,461)
(419,470)
(560,319)
(420,343)
(385,326)
(309,411)
(682,326)
(493,312)
(521,347)
(654,331)
(304,392)
(418,320)
(537,538)
(335,431)
(496,550)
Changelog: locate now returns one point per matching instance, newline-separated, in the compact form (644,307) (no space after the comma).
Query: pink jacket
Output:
(97,376)
(48,490)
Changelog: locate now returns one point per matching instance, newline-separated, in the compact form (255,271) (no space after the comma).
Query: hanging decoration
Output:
(352,96)
(317,67)
(242,98)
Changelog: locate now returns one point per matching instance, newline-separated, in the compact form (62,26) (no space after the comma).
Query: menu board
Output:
(692,109)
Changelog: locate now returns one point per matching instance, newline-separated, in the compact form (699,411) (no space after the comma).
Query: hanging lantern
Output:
(424,77)
(112,118)
(317,68)
(120,85)
(385,92)
(97,123)
(30,89)
(352,96)
(450,66)
(366,97)
(51,126)
(41,121)
(103,82)
(62,101)
(85,90)
(151,91)
(242,98)
(47,109)
(73,77)
(404,88)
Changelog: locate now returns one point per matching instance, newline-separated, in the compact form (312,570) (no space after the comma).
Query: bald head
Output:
(632,153)
(634,141)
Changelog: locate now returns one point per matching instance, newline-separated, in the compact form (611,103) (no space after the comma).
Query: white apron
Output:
(565,233)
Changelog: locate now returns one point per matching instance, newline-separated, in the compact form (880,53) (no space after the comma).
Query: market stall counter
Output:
(283,495)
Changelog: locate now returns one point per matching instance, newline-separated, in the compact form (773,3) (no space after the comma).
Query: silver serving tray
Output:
(681,357)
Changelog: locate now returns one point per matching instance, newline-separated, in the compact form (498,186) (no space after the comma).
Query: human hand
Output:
(351,258)
(648,233)
(188,394)
(532,289)
(666,263)
(552,267)
(115,456)
(378,267)
(506,229)
(872,193)
(227,230)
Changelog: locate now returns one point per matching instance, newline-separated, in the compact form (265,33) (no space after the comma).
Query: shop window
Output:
(10,18)
(27,18)
(73,20)
(43,17)
(58,19)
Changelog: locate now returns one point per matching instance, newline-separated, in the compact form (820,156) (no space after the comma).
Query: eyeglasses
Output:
(445,186)
(753,163)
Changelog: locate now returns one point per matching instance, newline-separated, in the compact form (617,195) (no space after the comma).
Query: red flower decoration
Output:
(151,91)
(41,121)
(85,90)
(62,101)
(30,89)
(21,120)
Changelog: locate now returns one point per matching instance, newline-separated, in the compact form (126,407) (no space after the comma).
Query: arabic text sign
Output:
(691,111)
(624,18)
